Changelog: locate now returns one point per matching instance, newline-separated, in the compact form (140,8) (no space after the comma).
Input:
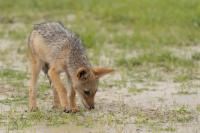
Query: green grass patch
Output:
(198,107)
(183,78)
(20,120)
(15,100)
(13,77)
(196,56)
(182,114)
(15,120)
(44,87)
(13,74)
(186,88)
(169,129)
(151,27)
(155,118)
(160,59)
(135,90)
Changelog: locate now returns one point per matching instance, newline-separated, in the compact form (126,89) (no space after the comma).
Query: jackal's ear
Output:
(99,72)
(83,73)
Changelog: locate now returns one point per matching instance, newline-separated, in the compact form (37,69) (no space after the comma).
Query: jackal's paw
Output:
(33,109)
(74,110)
(71,110)
(67,110)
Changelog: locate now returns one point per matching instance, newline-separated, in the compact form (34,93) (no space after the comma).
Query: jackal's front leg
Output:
(56,100)
(62,92)
(72,98)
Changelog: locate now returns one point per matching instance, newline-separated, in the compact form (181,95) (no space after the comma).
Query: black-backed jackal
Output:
(55,49)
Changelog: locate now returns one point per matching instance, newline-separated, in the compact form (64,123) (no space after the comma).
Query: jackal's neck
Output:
(77,59)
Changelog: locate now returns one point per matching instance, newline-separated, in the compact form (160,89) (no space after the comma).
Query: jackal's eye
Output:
(87,92)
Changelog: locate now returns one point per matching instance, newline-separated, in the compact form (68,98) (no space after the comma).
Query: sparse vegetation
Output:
(12,74)
(182,78)
(186,89)
(196,56)
(198,107)
(160,59)
(135,90)
(157,118)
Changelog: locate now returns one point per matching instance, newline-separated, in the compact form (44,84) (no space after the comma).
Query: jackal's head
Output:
(87,84)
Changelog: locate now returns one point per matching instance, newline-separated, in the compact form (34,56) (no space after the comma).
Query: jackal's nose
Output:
(91,107)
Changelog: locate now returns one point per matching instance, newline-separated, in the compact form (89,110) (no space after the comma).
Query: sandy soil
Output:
(113,98)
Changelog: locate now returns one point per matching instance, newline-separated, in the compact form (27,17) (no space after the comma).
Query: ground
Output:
(154,46)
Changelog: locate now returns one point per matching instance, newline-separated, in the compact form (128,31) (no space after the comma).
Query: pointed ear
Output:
(83,73)
(99,72)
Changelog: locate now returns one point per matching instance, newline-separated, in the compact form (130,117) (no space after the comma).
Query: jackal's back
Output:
(61,43)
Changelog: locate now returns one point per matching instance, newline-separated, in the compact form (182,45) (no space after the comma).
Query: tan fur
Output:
(64,54)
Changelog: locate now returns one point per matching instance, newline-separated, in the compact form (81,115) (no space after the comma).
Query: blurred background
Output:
(114,24)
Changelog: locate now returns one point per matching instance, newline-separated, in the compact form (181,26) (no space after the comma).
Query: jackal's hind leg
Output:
(35,70)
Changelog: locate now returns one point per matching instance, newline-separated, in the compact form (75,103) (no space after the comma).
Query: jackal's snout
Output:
(88,106)
(91,107)
(88,102)
(86,84)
